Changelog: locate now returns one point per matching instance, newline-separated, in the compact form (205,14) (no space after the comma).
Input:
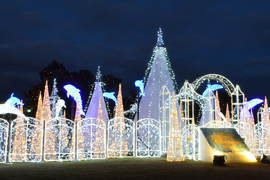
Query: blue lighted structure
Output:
(139,84)
(110,95)
(13,101)
(75,93)
(254,102)
(212,87)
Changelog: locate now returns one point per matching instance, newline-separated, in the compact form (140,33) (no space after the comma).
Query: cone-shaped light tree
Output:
(252,118)
(99,148)
(46,110)
(93,112)
(119,145)
(46,116)
(78,116)
(265,112)
(39,107)
(158,74)
(217,108)
(228,114)
(175,151)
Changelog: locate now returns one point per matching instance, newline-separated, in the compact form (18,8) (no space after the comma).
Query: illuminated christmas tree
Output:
(152,105)
(99,148)
(46,116)
(265,112)
(39,107)
(119,146)
(36,139)
(46,110)
(78,116)
(217,108)
(175,151)
(252,118)
(54,98)
(158,74)
(228,114)
(92,112)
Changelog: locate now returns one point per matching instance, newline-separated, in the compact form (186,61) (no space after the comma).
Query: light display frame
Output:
(23,130)
(164,115)
(4,135)
(123,130)
(88,127)
(59,130)
(190,141)
(148,138)
(261,136)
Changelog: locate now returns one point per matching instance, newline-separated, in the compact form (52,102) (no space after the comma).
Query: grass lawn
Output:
(134,168)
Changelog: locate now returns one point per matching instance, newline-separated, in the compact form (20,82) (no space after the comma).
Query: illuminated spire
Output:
(217,108)
(265,112)
(46,110)
(175,151)
(160,42)
(54,98)
(77,113)
(252,118)
(228,114)
(119,112)
(98,75)
(99,147)
(39,107)
(120,140)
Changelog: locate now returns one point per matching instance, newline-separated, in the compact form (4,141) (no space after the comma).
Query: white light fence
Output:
(148,138)
(26,140)
(91,139)
(59,142)
(4,134)
(262,140)
(190,141)
(121,138)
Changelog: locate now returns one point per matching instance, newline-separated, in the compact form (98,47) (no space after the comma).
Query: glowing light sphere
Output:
(110,95)
(75,93)
(139,84)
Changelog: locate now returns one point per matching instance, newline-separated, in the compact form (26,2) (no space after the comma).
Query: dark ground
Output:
(135,168)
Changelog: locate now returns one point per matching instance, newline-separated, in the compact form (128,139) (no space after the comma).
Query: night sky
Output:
(227,37)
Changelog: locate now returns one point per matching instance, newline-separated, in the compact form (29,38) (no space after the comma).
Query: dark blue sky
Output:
(227,37)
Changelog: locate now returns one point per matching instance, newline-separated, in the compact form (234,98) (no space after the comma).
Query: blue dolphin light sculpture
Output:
(75,93)
(13,101)
(110,95)
(212,87)
(254,102)
(139,84)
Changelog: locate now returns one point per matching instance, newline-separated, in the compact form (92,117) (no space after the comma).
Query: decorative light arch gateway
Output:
(237,96)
